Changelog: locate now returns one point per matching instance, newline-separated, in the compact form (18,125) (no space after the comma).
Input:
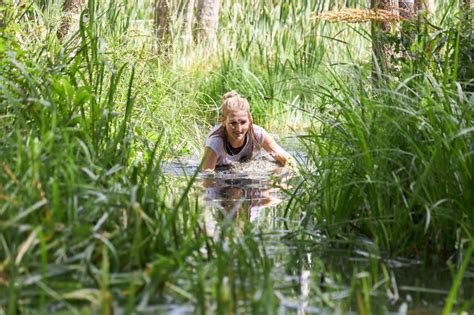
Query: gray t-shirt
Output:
(217,144)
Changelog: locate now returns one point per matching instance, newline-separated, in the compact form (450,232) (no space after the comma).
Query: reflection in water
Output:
(242,191)
(239,197)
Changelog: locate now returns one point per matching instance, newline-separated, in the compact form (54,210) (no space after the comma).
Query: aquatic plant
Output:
(90,223)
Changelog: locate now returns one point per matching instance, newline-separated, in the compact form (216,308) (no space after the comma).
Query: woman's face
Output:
(236,124)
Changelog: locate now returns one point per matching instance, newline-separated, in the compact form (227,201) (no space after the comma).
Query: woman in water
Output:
(237,139)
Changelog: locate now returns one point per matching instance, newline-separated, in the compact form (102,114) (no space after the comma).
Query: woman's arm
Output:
(278,153)
(209,160)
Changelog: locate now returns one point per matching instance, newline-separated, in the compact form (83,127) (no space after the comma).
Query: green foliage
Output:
(89,223)
(395,163)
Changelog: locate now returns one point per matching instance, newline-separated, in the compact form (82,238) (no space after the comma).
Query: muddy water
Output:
(243,188)
(240,190)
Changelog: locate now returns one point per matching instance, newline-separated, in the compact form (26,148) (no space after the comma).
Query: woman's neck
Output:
(232,149)
(237,143)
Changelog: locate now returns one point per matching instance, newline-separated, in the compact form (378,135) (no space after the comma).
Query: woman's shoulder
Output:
(215,130)
(259,133)
(258,129)
(214,139)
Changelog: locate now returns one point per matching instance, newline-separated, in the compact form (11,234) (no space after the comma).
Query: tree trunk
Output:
(382,49)
(407,8)
(188,23)
(208,15)
(425,6)
(466,47)
(388,5)
(162,15)
(2,23)
(71,8)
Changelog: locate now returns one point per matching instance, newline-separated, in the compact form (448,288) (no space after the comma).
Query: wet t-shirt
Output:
(217,144)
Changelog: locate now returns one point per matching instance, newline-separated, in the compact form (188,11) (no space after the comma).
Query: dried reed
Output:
(359,16)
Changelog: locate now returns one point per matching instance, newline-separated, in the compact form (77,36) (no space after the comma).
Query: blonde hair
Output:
(232,101)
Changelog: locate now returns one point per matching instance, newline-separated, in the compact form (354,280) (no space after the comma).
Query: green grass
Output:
(89,223)
(396,162)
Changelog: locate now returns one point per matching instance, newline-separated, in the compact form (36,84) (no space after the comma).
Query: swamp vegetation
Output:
(378,217)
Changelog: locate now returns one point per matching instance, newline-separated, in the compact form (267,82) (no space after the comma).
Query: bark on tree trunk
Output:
(188,23)
(70,9)
(382,50)
(407,8)
(389,5)
(466,47)
(162,13)
(1,17)
(425,5)
(208,15)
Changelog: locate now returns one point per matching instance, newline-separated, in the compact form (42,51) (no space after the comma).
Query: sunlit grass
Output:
(89,222)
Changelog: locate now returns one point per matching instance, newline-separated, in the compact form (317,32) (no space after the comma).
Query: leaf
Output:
(464,132)
(31,241)
(91,295)
(24,213)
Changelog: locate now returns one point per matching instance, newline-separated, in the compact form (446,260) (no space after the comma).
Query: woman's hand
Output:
(282,157)
(209,160)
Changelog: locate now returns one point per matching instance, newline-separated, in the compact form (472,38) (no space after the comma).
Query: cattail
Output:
(359,16)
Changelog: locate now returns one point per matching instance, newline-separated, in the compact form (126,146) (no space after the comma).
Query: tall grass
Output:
(272,50)
(395,163)
(89,222)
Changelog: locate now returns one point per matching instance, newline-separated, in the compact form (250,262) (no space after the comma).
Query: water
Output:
(243,190)
(313,274)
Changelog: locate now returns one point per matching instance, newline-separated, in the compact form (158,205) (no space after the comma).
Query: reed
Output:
(358,16)
(394,163)
(90,223)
